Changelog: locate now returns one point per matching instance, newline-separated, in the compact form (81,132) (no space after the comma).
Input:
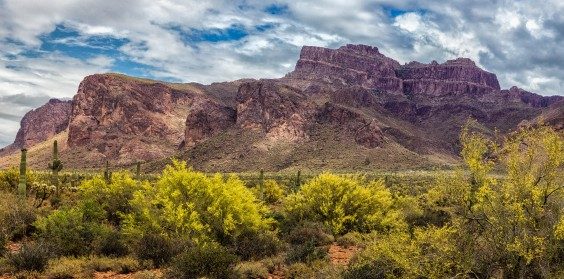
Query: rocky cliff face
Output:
(348,65)
(346,108)
(43,123)
(125,119)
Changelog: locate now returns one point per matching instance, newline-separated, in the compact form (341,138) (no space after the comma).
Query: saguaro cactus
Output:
(22,187)
(55,167)
(298,181)
(107,173)
(138,171)
(261,183)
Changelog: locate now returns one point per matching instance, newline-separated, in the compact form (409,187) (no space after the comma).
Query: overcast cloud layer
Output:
(47,47)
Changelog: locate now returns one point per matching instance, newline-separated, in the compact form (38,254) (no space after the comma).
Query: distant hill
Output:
(350,108)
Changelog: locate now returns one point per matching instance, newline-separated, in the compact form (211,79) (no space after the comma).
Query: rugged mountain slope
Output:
(348,108)
(41,124)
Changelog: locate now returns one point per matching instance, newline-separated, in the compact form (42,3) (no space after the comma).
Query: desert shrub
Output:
(16,216)
(158,248)
(32,256)
(251,270)
(85,267)
(299,271)
(253,245)
(110,243)
(307,252)
(65,268)
(72,231)
(350,239)
(3,243)
(10,178)
(211,261)
(192,204)
(313,232)
(147,274)
(273,192)
(273,263)
(114,197)
(344,204)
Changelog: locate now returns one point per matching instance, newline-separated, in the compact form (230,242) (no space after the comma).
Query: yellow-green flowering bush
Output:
(344,204)
(190,204)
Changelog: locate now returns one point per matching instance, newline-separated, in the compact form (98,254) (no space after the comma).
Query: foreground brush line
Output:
(501,216)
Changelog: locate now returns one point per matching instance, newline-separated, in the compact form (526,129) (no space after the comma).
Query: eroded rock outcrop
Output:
(348,65)
(207,118)
(128,119)
(454,76)
(280,111)
(43,123)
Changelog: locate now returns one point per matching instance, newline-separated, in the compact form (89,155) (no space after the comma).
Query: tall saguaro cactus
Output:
(22,187)
(55,167)
(138,171)
(107,173)
(261,184)
(298,181)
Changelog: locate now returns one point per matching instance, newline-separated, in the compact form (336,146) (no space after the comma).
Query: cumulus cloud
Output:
(47,47)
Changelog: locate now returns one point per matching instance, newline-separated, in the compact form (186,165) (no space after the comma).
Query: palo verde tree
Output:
(510,223)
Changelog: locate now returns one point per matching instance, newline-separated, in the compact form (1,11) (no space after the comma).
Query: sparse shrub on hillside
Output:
(306,252)
(32,256)
(16,216)
(210,261)
(257,245)
(251,270)
(190,204)
(85,267)
(3,243)
(157,248)
(313,232)
(110,243)
(344,204)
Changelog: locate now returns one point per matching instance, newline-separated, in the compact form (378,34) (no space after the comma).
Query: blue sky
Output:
(47,47)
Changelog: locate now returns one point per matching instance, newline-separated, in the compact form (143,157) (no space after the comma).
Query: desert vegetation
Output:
(500,215)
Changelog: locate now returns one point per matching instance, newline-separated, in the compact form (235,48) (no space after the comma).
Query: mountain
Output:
(350,108)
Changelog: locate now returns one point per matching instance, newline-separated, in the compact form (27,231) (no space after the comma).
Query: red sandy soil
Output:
(340,255)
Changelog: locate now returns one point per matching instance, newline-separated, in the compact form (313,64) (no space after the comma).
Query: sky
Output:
(48,47)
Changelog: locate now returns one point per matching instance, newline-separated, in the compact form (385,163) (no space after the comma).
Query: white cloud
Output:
(521,41)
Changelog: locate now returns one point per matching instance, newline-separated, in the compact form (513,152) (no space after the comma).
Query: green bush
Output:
(111,244)
(158,248)
(299,271)
(31,257)
(310,232)
(211,261)
(10,178)
(253,245)
(16,216)
(114,197)
(251,270)
(72,231)
(3,243)
(85,267)
(307,252)
(194,205)
(344,204)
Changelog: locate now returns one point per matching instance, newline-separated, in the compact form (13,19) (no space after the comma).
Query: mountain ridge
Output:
(346,108)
